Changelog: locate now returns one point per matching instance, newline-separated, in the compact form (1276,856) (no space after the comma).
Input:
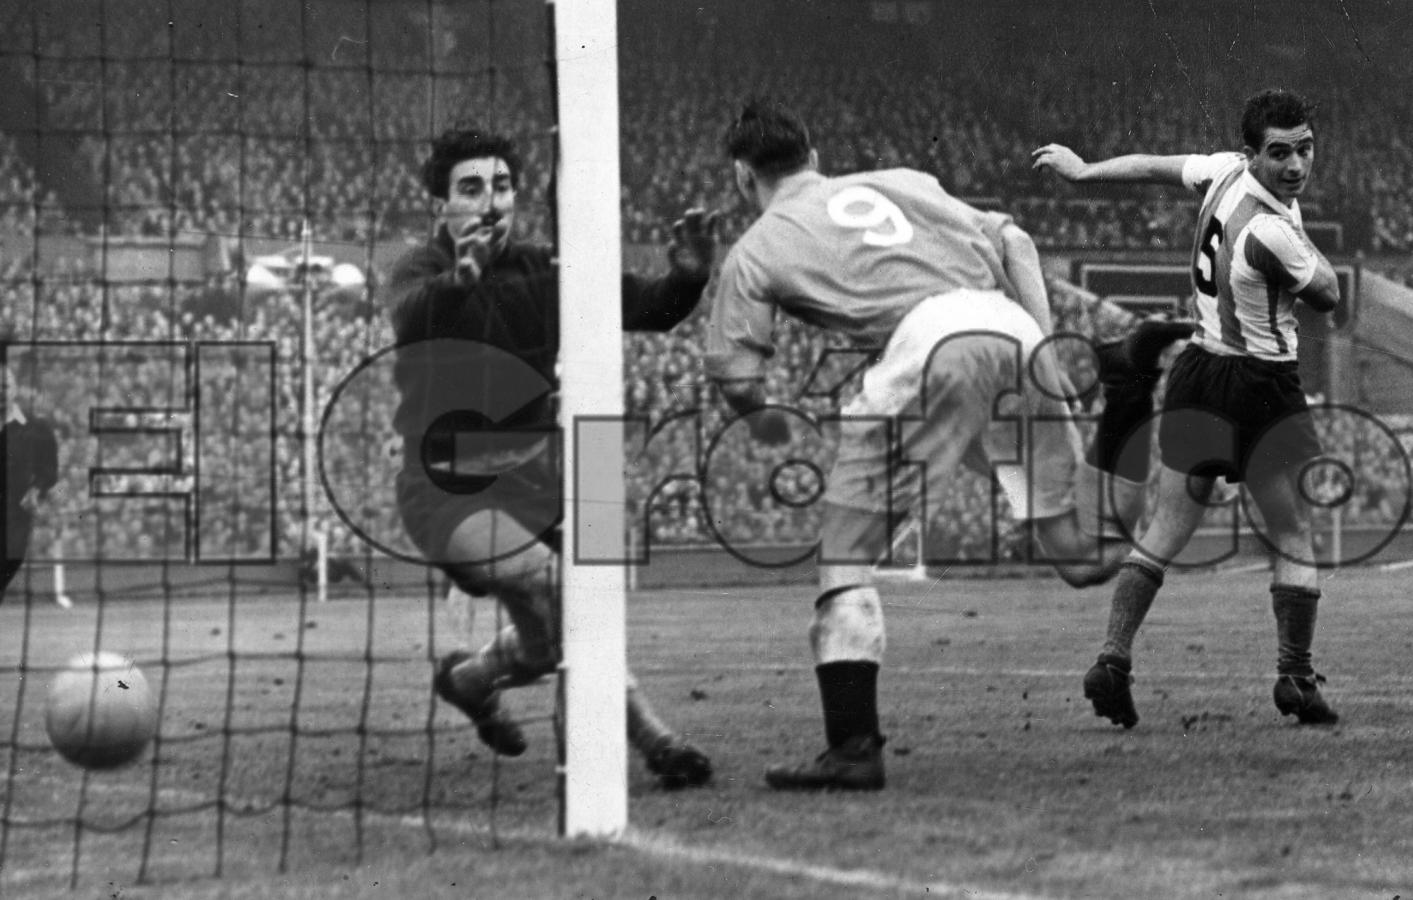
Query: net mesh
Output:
(197,207)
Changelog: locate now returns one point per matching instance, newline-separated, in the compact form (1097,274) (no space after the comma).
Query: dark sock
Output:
(1123,439)
(849,693)
(1295,627)
(1134,591)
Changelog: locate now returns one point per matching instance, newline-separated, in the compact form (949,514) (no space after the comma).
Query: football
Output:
(99,713)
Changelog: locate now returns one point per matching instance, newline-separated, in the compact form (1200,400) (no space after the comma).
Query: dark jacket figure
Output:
(31,453)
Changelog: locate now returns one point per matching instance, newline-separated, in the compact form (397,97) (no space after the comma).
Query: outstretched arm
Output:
(658,304)
(1135,167)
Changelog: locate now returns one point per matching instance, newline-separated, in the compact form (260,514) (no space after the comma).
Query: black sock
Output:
(1123,439)
(849,693)
(1295,627)
(1134,591)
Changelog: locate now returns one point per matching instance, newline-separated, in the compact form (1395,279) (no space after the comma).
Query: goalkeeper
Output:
(476,320)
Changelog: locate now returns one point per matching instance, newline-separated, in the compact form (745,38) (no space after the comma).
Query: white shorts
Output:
(956,385)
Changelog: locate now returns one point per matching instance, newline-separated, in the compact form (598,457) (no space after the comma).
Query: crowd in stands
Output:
(257,145)
(700,481)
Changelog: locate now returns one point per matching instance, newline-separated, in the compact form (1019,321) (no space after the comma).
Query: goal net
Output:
(199,209)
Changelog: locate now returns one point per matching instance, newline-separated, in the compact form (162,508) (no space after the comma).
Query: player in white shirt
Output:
(1234,404)
(951,302)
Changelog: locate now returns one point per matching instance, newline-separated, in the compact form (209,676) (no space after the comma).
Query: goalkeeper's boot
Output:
(854,765)
(494,726)
(1299,696)
(1106,685)
(677,764)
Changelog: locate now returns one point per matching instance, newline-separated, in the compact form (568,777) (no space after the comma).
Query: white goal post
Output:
(594,801)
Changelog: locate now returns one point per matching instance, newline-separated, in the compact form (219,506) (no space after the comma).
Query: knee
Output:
(835,578)
(1083,575)
(1287,525)
(532,666)
(1089,574)
(529,573)
(525,657)
(848,626)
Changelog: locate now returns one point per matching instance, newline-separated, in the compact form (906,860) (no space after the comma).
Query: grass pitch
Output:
(1002,783)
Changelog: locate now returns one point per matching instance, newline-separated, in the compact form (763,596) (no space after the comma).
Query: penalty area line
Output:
(871,879)
(445,822)
(672,850)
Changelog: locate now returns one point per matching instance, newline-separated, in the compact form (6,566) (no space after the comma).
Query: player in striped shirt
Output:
(1234,404)
(951,302)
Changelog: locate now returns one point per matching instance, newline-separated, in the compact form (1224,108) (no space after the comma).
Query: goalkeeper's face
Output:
(480,201)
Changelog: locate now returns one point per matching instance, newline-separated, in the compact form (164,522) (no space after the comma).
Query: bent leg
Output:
(1080,558)
(1287,525)
(496,555)
(1295,594)
(489,552)
(847,642)
(1110,483)
(1181,503)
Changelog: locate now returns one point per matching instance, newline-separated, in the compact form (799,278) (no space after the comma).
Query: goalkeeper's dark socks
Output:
(1295,609)
(848,691)
(1134,590)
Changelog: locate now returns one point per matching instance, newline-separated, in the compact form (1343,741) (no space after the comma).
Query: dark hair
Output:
(769,137)
(1272,109)
(456,145)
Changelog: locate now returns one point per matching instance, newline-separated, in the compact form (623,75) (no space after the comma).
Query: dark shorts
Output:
(1224,414)
(432,507)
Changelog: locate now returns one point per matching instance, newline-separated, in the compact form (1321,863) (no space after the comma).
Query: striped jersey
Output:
(853,255)
(1250,259)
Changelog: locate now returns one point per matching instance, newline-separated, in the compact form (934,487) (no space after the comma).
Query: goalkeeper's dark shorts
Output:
(1225,414)
(526,500)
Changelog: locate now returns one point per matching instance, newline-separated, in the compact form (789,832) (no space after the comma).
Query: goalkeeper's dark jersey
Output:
(476,363)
